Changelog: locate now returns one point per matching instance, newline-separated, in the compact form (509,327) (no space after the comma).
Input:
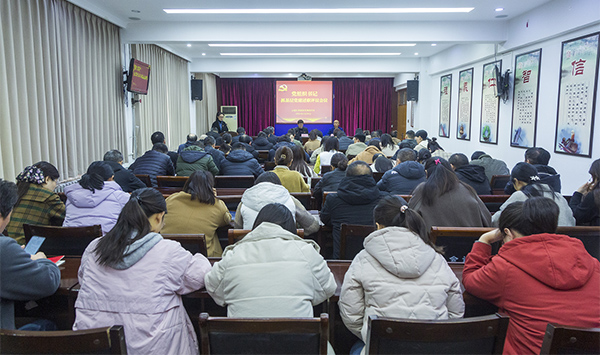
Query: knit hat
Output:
(524,172)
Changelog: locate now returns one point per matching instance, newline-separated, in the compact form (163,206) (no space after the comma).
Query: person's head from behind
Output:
(339,161)
(339,134)
(477,154)
(298,155)
(386,140)
(406,154)
(358,131)
(433,145)
(262,134)
(200,185)
(331,144)
(420,135)
(394,134)
(359,138)
(458,160)
(157,137)
(240,131)
(209,141)
(537,156)
(284,138)
(192,137)
(375,143)
(535,215)
(244,138)
(376,133)
(284,156)
(97,173)
(440,180)
(312,135)
(268,176)
(522,175)
(359,168)
(142,214)
(300,123)
(8,200)
(276,213)
(227,138)
(114,156)
(383,164)
(42,174)
(410,134)
(595,173)
(390,212)
(160,147)
(238,146)
(423,155)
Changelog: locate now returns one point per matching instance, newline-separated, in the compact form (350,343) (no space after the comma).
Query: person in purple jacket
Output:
(96,199)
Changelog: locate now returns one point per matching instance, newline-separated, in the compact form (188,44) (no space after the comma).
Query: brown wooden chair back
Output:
(458,241)
(498,183)
(263,155)
(194,243)
(145,178)
(229,191)
(234,181)
(235,235)
(304,198)
(222,335)
(561,339)
(475,335)
(493,202)
(325,169)
(68,241)
(171,181)
(270,165)
(109,340)
(327,193)
(231,201)
(352,237)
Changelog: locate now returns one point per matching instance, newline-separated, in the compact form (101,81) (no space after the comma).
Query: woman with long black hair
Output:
(585,202)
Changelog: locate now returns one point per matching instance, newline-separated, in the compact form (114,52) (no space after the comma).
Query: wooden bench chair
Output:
(222,335)
(476,335)
(352,237)
(325,169)
(561,339)
(234,181)
(231,201)
(493,202)
(235,235)
(110,340)
(263,156)
(305,199)
(145,178)
(171,181)
(313,181)
(68,241)
(498,183)
(194,243)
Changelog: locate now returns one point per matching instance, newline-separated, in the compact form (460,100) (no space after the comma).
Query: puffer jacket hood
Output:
(400,251)
(192,153)
(410,170)
(474,173)
(558,261)
(260,195)
(239,156)
(358,190)
(84,198)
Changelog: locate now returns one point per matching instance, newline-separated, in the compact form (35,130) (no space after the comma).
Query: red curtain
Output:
(255,99)
(364,103)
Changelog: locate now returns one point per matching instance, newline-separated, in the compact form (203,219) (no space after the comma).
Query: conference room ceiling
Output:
(264,44)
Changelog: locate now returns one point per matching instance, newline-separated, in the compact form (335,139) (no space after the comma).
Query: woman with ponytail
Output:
(331,180)
(400,273)
(290,179)
(135,278)
(36,202)
(96,199)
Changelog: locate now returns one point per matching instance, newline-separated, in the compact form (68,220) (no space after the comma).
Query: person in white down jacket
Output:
(398,274)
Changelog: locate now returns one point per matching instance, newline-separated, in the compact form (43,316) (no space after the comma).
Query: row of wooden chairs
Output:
(221,335)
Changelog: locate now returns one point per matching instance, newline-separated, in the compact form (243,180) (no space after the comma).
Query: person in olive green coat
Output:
(194,158)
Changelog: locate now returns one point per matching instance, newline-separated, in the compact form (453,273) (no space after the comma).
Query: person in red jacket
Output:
(538,277)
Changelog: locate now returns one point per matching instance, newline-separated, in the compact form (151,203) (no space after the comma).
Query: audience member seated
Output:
(472,175)
(492,166)
(388,148)
(154,163)
(283,141)
(437,150)
(445,201)
(300,130)
(240,162)
(214,132)
(219,124)
(241,131)
(527,184)
(194,158)
(271,135)
(268,189)
(96,199)
(299,163)
(330,147)
(246,140)
(381,164)
(331,180)
(538,277)
(367,154)
(344,141)
(23,277)
(261,142)
(405,176)
(36,203)
(225,146)
(585,202)
(398,256)
(290,179)
(196,210)
(293,139)
(159,137)
(135,278)
(375,136)
(336,125)
(353,203)
(421,139)
(358,146)
(409,138)
(124,177)
(423,155)
(395,139)
(191,139)
(217,155)
(539,158)
(313,141)
(254,281)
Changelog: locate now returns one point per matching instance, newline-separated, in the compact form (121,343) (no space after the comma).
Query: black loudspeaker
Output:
(412,90)
(196,89)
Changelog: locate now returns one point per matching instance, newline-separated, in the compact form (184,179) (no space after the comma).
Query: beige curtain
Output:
(61,92)
(166,108)
(207,108)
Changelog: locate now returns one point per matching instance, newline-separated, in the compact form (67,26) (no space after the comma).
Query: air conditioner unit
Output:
(231,116)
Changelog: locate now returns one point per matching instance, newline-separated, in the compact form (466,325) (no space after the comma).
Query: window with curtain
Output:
(61,92)
(166,108)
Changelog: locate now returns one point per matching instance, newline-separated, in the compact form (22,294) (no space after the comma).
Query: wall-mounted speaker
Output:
(412,90)
(196,89)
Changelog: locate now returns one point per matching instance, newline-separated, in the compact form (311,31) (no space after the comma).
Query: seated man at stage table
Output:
(336,124)
(300,130)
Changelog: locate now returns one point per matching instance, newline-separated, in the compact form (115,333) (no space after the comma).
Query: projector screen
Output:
(310,101)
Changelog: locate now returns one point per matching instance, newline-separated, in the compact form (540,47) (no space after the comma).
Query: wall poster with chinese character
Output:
(445,95)
(465,96)
(525,99)
(490,104)
(577,96)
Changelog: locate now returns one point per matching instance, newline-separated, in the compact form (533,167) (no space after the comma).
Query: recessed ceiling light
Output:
(416,53)
(312,44)
(501,16)
(310,54)
(434,44)
(203,53)
(499,9)
(406,10)
(189,45)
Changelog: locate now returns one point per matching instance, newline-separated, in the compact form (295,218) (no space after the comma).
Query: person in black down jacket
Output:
(284,141)
(473,175)
(261,142)
(585,202)
(247,141)
(194,158)
(332,179)
(405,176)
(240,162)
(270,131)
(217,155)
(154,162)
(219,124)
(539,157)
(125,178)
(356,197)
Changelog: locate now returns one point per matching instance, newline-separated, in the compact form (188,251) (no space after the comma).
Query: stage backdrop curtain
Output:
(61,87)
(166,108)
(255,99)
(364,103)
(207,108)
